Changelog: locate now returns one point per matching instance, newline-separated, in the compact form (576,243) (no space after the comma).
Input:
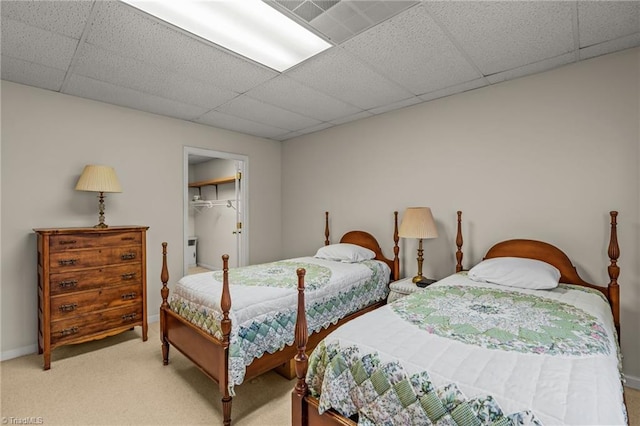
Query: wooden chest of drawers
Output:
(92,283)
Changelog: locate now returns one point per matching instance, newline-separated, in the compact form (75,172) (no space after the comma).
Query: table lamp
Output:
(100,179)
(417,222)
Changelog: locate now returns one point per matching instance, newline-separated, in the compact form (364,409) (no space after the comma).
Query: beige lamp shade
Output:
(98,179)
(418,222)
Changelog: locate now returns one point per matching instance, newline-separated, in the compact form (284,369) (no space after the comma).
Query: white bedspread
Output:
(557,388)
(253,301)
(264,307)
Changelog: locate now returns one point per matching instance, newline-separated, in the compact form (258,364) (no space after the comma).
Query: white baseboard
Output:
(632,382)
(15,353)
(32,349)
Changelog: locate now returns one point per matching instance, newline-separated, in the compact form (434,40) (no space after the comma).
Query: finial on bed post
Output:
(614,271)
(459,243)
(300,358)
(326,229)
(396,249)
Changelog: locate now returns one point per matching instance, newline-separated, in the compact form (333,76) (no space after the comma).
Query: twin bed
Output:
(230,346)
(519,339)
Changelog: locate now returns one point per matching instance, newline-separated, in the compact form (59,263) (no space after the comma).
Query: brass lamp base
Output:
(419,277)
(101,223)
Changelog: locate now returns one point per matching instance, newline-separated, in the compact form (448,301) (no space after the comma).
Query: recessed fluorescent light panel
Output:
(250,28)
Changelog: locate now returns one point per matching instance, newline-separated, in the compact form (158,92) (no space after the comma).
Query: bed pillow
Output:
(516,272)
(345,252)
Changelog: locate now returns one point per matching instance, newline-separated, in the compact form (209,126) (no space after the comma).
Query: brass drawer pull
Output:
(129,317)
(128,256)
(63,242)
(68,307)
(128,276)
(67,262)
(129,296)
(128,238)
(68,284)
(69,331)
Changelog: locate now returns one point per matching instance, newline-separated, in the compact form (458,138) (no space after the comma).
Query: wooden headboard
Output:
(367,240)
(532,249)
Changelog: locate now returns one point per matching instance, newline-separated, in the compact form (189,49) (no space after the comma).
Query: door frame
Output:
(244,199)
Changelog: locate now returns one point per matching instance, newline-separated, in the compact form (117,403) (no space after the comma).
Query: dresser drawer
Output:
(86,279)
(65,242)
(79,259)
(86,325)
(69,305)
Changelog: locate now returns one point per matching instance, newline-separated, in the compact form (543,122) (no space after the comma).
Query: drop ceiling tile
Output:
(291,95)
(100,64)
(500,36)
(285,136)
(63,17)
(537,67)
(378,10)
(32,44)
(31,74)
(354,117)
(260,112)
(307,11)
(330,28)
(605,21)
(610,46)
(104,92)
(314,129)
(132,33)
(413,51)
(289,4)
(397,105)
(326,4)
(238,124)
(458,88)
(342,76)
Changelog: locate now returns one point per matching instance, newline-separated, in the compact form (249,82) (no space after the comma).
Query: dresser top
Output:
(91,230)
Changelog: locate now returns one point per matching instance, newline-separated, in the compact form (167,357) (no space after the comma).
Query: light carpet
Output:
(121,381)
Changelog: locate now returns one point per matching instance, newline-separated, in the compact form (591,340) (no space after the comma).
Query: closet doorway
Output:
(215,209)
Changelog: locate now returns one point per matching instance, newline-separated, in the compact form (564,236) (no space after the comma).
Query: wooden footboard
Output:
(209,354)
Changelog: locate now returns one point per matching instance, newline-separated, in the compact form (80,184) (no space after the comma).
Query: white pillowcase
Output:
(516,272)
(345,252)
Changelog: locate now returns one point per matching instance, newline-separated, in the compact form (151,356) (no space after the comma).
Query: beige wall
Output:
(47,138)
(543,157)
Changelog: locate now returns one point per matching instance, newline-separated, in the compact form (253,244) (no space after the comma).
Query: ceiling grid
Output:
(386,55)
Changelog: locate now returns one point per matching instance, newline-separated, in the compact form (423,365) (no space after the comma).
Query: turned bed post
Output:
(225,326)
(164,277)
(326,229)
(396,248)
(614,271)
(459,243)
(299,414)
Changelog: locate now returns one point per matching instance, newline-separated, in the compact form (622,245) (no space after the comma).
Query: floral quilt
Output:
(383,393)
(466,353)
(269,330)
(506,320)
